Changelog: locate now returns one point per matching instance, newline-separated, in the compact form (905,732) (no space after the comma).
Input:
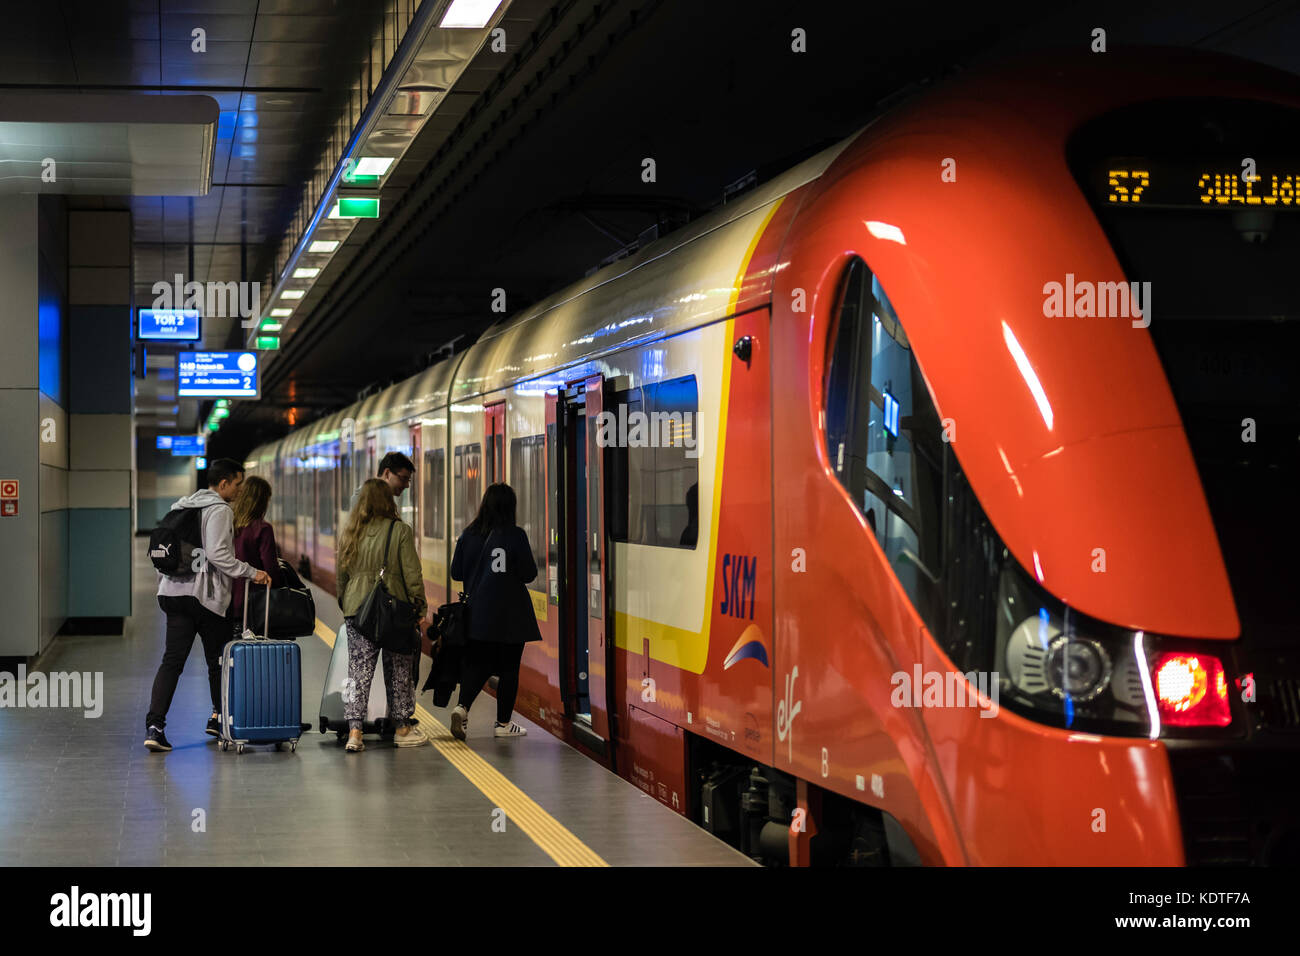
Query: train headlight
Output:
(1061,667)
(1077,668)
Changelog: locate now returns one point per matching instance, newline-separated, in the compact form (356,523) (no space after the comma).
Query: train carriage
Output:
(803,471)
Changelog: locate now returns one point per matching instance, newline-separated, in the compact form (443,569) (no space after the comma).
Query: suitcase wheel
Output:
(277,745)
(340,736)
(239,748)
(293,746)
(224,744)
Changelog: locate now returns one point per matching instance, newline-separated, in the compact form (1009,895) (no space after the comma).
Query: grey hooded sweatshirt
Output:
(211,585)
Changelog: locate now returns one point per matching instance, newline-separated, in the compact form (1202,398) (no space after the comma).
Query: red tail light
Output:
(1192,690)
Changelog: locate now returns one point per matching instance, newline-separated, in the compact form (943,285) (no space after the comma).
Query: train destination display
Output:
(1147,184)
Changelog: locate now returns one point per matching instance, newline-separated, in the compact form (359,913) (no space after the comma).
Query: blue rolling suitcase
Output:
(261,690)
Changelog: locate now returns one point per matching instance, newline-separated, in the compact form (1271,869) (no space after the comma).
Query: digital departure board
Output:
(187,446)
(1138,183)
(216,374)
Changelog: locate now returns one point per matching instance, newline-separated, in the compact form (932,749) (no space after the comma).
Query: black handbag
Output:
(452,620)
(385,620)
(293,612)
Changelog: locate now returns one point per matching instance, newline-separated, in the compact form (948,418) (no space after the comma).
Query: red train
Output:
(884,514)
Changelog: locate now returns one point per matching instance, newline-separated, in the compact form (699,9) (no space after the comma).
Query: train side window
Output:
(655,473)
(528,478)
(468,476)
(883,436)
(435,486)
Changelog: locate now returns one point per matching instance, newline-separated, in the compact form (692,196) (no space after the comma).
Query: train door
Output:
(307,507)
(416,496)
(494,431)
(586,642)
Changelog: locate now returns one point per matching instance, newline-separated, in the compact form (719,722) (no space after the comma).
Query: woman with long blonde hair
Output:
(373,540)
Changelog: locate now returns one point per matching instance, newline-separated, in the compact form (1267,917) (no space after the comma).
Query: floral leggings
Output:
(362,655)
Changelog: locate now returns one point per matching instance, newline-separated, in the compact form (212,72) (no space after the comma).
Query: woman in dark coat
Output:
(494,562)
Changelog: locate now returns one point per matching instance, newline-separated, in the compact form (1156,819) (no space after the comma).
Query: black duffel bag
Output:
(293,612)
(386,620)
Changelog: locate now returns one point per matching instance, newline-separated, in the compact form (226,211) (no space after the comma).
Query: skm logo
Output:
(739,573)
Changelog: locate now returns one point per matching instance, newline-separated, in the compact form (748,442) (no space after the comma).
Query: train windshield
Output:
(1199,198)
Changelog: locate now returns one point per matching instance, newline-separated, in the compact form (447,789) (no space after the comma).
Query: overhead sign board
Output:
(164,442)
(187,446)
(175,325)
(216,374)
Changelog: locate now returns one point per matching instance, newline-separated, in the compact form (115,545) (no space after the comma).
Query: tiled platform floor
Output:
(78,791)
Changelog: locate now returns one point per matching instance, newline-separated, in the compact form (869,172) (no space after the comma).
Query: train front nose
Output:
(1219,249)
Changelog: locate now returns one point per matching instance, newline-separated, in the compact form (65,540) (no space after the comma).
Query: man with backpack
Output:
(193,550)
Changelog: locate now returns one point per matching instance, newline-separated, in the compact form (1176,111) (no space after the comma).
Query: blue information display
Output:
(213,374)
(187,446)
(164,442)
(176,325)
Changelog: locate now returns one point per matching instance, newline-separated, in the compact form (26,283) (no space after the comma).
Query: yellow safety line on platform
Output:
(555,840)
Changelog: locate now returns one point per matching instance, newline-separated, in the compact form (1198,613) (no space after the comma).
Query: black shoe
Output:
(156,740)
(214,726)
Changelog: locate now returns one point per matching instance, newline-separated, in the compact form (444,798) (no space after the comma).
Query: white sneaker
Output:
(412,738)
(510,730)
(459,722)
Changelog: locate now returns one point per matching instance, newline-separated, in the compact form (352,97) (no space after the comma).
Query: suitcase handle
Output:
(266,625)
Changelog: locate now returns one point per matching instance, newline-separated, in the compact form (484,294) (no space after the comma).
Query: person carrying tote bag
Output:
(377,562)
(501,616)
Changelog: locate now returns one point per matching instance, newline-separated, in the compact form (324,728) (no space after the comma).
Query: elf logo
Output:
(76,909)
(739,572)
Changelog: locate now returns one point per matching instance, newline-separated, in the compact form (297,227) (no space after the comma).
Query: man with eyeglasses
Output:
(394,468)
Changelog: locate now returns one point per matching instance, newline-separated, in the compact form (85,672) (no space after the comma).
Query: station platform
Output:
(82,791)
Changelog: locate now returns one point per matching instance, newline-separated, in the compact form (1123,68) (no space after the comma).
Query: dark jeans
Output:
(185,618)
(482,660)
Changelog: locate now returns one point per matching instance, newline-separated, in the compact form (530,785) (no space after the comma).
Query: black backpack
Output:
(173,542)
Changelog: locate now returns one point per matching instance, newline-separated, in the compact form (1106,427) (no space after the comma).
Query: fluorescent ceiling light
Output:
(281,312)
(372,166)
(269,325)
(323,245)
(292,294)
(306,273)
(469,14)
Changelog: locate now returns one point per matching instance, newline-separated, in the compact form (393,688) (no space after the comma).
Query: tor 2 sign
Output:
(169,325)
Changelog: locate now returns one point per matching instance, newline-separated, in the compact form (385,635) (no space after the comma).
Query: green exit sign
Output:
(268,343)
(356,209)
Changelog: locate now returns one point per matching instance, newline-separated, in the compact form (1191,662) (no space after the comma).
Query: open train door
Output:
(586,646)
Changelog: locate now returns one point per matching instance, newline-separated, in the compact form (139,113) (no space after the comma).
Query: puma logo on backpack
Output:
(174,541)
